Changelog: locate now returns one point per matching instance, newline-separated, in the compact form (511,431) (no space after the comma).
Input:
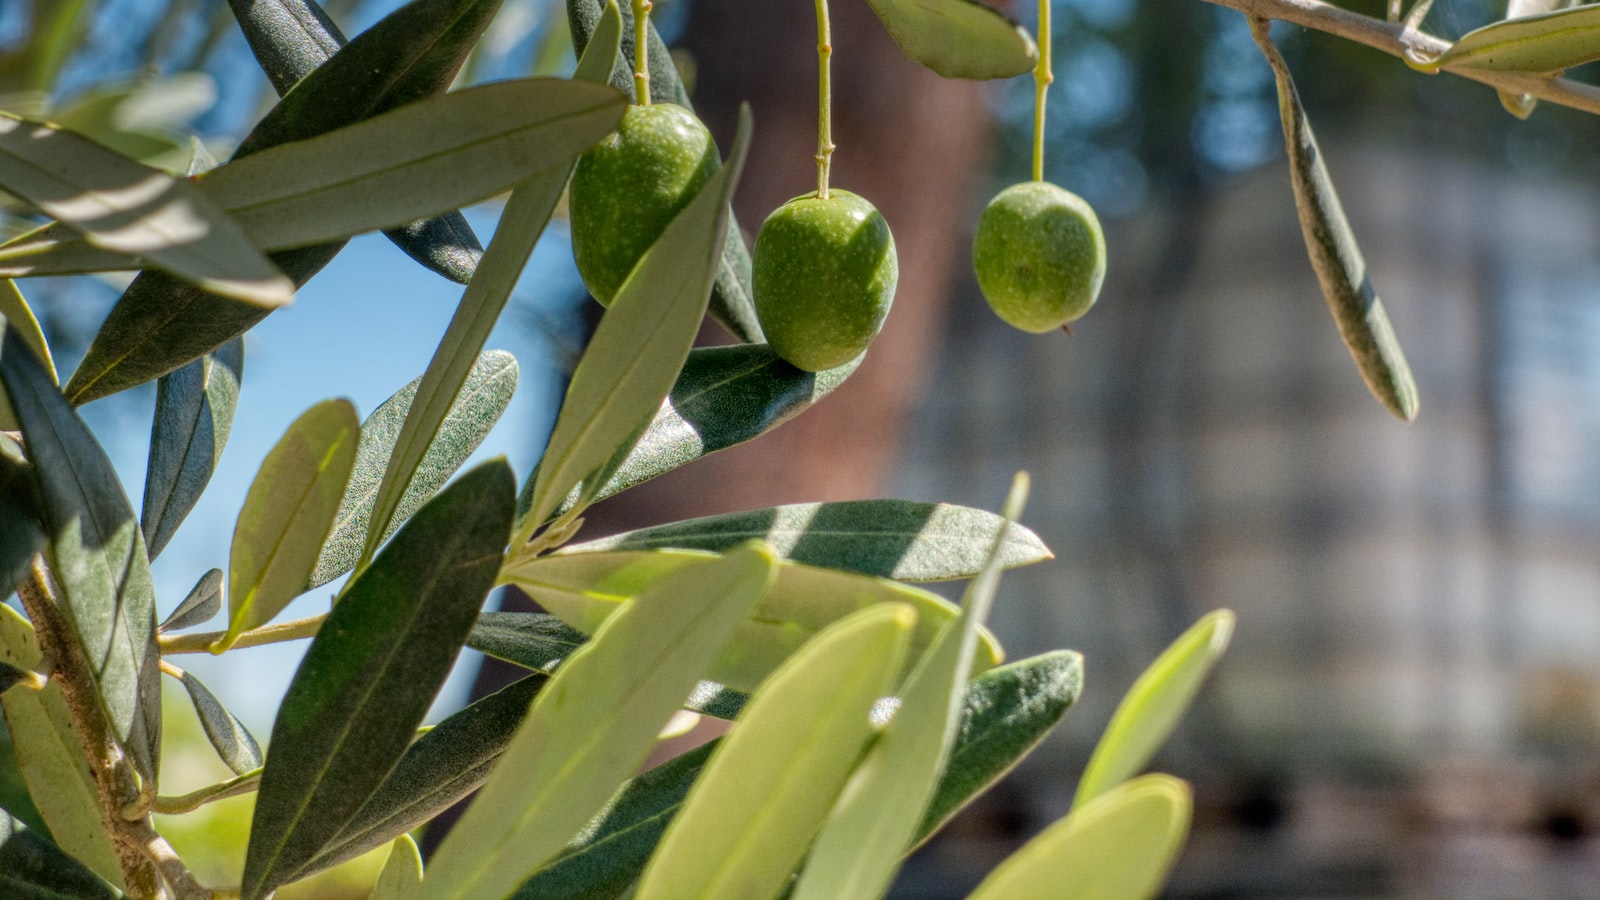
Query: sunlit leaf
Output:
(1155,703)
(594,723)
(32,868)
(194,413)
(1545,43)
(958,38)
(235,745)
(203,602)
(287,514)
(401,877)
(373,670)
(14,308)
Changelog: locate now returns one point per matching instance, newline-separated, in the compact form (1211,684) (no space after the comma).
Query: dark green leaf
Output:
(1341,271)
(483,398)
(204,602)
(32,868)
(372,671)
(235,745)
(288,37)
(21,515)
(898,539)
(724,396)
(958,38)
(194,413)
(443,766)
(536,641)
(730,297)
(10,676)
(96,553)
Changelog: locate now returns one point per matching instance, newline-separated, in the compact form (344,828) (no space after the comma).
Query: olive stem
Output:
(641,51)
(824,99)
(1042,78)
(202,642)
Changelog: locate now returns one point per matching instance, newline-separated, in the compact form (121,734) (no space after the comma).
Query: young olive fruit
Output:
(626,189)
(1039,255)
(823,277)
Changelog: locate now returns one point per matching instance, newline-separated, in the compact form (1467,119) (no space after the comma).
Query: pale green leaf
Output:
(1341,271)
(126,207)
(287,514)
(860,847)
(14,308)
(593,725)
(898,539)
(401,878)
(1155,703)
(1544,43)
(640,345)
(1119,847)
(757,805)
(958,38)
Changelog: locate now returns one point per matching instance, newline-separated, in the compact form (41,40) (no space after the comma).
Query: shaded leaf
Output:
(194,413)
(288,37)
(372,671)
(287,514)
(722,397)
(1544,43)
(639,347)
(11,676)
(401,877)
(751,815)
(204,602)
(730,296)
(22,531)
(1120,845)
(532,640)
(898,539)
(958,38)
(1154,704)
(443,766)
(235,745)
(875,821)
(584,589)
(96,554)
(50,757)
(32,868)
(486,392)
(592,727)
(1341,271)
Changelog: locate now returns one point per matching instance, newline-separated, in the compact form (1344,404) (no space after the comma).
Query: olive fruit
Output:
(1039,255)
(626,189)
(823,277)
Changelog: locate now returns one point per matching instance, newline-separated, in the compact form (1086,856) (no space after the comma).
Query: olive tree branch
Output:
(200,642)
(1394,39)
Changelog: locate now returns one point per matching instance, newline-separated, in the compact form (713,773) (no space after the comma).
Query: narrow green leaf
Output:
(1341,271)
(372,671)
(724,396)
(126,207)
(401,878)
(289,38)
(194,413)
(1119,846)
(1005,713)
(1544,43)
(204,602)
(235,745)
(594,725)
(876,818)
(730,297)
(14,308)
(287,514)
(51,758)
(32,868)
(585,589)
(22,531)
(534,641)
(958,38)
(898,539)
(749,818)
(435,154)
(640,345)
(96,553)
(1154,704)
(484,396)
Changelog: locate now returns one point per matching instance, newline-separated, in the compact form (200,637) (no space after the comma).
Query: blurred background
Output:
(1411,704)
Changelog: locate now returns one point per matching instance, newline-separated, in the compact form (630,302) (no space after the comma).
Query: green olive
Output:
(823,278)
(1039,255)
(627,188)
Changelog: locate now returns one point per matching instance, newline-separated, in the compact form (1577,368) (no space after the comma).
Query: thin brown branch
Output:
(1391,38)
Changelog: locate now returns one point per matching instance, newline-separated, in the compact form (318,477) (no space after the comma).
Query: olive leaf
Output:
(21,529)
(401,877)
(203,602)
(372,671)
(1120,845)
(536,641)
(126,207)
(194,413)
(1154,704)
(899,539)
(32,867)
(1543,43)
(15,310)
(1341,271)
(289,38)
(235,745)
(958,38)
(105,594)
